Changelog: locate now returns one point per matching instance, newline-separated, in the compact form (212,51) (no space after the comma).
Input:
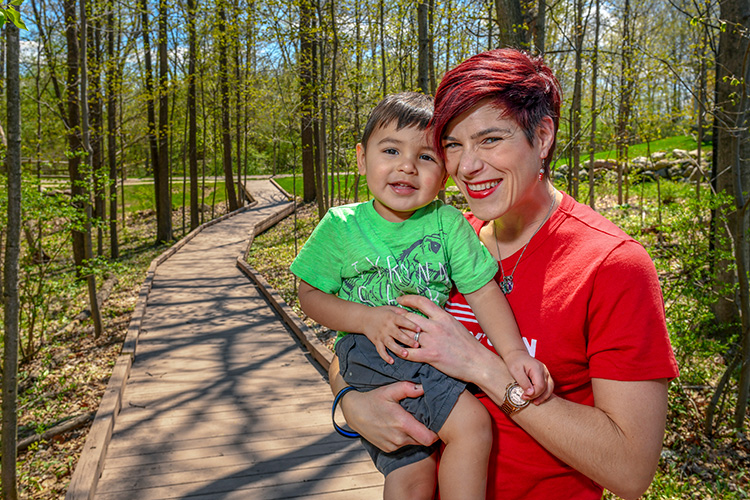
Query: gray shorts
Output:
(361,366)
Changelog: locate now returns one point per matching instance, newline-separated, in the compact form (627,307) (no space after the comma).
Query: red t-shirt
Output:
(588,304)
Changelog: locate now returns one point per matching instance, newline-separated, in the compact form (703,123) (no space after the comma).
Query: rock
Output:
(680,153)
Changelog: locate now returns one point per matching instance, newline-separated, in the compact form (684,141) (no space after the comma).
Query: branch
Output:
(66,426)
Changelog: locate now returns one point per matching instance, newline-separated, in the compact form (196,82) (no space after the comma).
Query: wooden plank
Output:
(290,484)
(301,436)
(132,472)
(233,444)
(197,410)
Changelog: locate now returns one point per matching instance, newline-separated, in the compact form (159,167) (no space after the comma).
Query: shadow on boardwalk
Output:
(215,397)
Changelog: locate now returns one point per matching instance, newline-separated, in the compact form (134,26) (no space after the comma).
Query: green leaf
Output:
(2,17)
(16,3)
(20,24)
(15,17)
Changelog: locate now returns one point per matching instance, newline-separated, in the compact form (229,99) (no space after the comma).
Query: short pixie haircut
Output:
(519,85)
(409,109)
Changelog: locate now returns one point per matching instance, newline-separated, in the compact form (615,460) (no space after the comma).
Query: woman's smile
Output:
(481,189)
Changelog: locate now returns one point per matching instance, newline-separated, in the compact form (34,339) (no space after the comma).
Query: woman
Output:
(585,295)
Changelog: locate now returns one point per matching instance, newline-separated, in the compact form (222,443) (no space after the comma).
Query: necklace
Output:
(506,284)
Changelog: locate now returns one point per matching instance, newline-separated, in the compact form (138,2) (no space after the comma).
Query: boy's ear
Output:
(361,165)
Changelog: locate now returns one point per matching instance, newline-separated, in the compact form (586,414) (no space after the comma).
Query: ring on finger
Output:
(416,337)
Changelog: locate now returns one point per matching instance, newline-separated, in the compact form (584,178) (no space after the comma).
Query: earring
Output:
(541,171)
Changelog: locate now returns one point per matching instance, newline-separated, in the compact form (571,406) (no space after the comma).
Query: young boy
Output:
(361,257)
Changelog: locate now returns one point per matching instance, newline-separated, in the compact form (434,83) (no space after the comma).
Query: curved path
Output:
(221,400)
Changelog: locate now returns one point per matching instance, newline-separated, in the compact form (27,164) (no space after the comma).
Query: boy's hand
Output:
(386,326)
(531,375)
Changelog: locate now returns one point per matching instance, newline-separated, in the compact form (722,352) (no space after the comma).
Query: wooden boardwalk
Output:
(221,400)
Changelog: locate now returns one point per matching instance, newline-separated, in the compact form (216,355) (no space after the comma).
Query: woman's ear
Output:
(361,164)
(545,134)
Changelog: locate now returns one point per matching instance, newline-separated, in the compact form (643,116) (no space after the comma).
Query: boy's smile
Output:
(402,170)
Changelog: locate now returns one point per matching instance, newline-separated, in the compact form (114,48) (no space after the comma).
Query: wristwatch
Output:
(513,399)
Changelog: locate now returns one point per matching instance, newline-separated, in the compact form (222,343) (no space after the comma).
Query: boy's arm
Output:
(495,316)
(382,325)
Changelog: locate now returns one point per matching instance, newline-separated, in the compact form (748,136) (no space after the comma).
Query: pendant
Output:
(506,285)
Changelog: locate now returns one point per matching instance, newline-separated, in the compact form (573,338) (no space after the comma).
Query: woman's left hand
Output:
(444,342)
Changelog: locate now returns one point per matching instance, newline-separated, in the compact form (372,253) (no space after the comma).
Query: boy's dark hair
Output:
(411,109)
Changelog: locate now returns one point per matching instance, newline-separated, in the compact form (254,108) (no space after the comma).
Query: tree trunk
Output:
(576,104)
(540,31)
(307,111)
(431,47)
(623,112)
(384,79)
(150,104)
(85,199)
(161,175)
(226,136)
(423,71)
(594,110)
(510,21)
(94,61)
(11,303)
(112,77)
(332,108)
(732,149)
(319,129)
(357,87)
(73,114)
(729,66)
(192,116)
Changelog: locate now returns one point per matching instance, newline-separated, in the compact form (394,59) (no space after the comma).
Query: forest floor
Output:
(69,374)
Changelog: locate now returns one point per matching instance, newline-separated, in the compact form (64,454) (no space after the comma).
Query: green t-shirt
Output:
(358,255)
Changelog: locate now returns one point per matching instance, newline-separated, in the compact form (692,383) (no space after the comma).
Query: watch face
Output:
(515,396)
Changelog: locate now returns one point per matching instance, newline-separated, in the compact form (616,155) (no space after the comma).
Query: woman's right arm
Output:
(378,416)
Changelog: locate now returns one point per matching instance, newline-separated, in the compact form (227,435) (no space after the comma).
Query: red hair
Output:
(521,86)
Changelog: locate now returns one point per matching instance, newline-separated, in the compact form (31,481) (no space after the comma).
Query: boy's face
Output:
(403,172)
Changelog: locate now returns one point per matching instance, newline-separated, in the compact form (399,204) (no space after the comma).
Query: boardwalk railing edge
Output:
(89,468)
(320,353)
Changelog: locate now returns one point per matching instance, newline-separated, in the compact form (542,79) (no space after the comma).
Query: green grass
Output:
(139,197)
(343,183)
(667,144)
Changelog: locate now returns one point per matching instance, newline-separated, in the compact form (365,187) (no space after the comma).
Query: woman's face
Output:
(492,162)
